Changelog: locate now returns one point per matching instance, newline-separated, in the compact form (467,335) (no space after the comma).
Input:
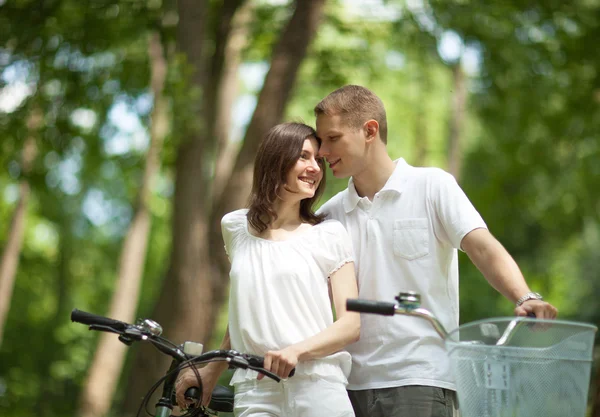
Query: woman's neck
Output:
(287,224)
(288,214)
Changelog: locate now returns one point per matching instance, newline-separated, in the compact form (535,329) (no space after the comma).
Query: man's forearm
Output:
(496,264)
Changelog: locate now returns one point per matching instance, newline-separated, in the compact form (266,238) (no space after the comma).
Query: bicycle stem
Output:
(164,406)
(409,304)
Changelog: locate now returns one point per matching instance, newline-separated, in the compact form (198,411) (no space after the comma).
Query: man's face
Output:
(342,146)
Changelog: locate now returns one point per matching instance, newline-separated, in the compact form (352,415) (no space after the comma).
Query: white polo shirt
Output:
(406,239)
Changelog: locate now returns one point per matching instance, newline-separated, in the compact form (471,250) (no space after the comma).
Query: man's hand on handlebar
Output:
(540,309)
(280,362)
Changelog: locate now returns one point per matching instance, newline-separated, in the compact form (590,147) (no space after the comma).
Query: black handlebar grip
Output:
(374,307)
(89,319)
(193,393)
(259,362)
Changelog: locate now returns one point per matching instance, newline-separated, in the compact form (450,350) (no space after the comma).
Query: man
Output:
(406,225)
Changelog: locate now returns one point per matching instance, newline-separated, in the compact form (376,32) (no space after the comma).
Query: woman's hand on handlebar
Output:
(187,379)
(280,362)
(209,376)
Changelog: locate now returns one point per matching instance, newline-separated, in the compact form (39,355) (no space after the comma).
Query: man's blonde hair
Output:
(356,105)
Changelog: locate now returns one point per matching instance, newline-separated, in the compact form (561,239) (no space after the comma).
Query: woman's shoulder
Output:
(234,220)
(332,227)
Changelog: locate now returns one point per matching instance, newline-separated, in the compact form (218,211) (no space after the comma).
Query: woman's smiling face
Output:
(305,176)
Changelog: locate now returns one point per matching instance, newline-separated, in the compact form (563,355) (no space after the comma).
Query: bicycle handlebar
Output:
(408,308)
(135,332)
(84,317)
(368,306)
(409,304)
(150,331)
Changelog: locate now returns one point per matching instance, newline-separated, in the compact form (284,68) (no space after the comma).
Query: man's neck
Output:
(373,179)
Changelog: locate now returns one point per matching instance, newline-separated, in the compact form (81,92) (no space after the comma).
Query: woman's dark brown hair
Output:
(277,154)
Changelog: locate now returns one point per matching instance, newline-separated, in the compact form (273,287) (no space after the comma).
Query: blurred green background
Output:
(128,128)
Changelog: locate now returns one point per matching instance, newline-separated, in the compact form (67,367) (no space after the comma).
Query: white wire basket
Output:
(509,367)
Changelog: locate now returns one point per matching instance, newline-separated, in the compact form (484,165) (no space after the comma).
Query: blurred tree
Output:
(232,56)
(457,121)
(195,285)
(106,366)
(68,55)
(12,248)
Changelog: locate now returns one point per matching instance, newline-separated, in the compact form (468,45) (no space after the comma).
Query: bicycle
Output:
(186,355)
(510,366)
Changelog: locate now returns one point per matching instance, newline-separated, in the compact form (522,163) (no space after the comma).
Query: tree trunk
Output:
(459,99)
(45,402)
(226,150)
(100,385)
(421,133)
(181,292)
(194,289)
(288,55)
(220,83)
(12,248)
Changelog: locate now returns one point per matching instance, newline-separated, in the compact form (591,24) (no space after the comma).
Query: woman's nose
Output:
(314,164)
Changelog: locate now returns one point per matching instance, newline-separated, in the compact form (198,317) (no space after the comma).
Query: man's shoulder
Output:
(334,206)
(430,174)
(430,180)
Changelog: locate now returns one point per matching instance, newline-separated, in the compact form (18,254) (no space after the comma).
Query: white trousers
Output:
(298,396)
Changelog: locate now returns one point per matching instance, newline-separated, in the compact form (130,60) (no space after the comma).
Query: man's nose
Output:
(323,151)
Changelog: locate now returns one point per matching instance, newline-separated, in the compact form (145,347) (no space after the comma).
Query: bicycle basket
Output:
(518,367)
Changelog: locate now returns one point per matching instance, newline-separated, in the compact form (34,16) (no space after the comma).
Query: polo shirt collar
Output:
(395,183)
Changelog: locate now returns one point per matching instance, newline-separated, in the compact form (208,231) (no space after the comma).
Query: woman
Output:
(284,258)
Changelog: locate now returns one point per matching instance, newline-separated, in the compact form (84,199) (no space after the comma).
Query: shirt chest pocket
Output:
(411,238)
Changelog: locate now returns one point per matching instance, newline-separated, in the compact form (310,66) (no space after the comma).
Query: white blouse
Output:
(279,294)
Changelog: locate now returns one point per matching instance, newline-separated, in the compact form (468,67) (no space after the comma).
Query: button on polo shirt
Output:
(406,239)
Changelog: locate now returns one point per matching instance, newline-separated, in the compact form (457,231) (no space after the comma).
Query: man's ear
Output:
(371,129)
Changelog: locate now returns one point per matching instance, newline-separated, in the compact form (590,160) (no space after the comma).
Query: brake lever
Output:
(104,328)
(258,361)
(241,362)
(263,371)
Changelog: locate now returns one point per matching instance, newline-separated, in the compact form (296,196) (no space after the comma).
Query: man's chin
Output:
(339,174)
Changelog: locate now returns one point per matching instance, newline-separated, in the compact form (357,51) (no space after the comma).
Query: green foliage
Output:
(532,173)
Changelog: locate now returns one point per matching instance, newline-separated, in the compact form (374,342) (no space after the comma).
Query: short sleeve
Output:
(455,211)
(336,247)
(233,225)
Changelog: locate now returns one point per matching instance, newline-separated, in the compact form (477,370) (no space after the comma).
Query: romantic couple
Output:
(395,228)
